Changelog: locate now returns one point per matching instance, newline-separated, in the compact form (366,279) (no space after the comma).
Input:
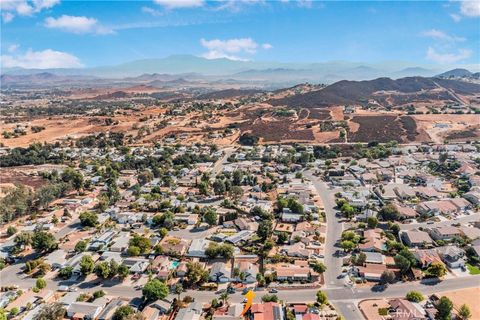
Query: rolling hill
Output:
(359,92)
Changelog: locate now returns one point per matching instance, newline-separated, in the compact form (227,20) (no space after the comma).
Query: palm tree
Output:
(178,290)
(224,297)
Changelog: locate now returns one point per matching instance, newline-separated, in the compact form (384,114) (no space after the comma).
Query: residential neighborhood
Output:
(130,234)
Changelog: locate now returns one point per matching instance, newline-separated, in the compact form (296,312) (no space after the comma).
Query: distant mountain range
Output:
(192,67)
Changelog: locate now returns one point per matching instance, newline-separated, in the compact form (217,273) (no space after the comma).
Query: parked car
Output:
(273,290)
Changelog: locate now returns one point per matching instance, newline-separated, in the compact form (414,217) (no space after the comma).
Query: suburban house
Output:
(453,256)
(248,272)
(445,233)
(372,241)
(56,259)
(416,238)
(371,271)
(197,248)
(426,257)
(220,273)
(401,309)
(267,311)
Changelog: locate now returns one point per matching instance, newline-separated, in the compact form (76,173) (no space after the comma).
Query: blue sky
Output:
(55,33)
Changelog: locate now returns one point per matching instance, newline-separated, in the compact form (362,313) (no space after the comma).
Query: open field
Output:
(465,296)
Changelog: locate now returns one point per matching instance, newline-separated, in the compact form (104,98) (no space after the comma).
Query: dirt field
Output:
(468,296)
(370,308)
(439,126)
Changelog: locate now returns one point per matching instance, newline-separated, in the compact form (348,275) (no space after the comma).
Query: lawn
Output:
(473,269)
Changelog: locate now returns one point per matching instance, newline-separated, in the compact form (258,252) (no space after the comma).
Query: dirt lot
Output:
(439,126)
(468,296)
(370,308)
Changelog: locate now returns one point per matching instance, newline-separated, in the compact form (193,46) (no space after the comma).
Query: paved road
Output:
(334,232)
(461,220)
(223,160)
(71,227)
(333,262)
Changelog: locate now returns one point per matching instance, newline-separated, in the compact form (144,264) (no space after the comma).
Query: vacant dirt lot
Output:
(370,308)
(439,126)
(468,296)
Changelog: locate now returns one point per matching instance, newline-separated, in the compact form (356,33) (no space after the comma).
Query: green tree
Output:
(270,298)
(387,277)
(178,290)
(133,251)
(73,177)
(154,290)
(145,177)
(81,246)
(237,177)
(219,187)
(23,239)
(87,265)
(211,216)
(224,297)
(122,271)
(402,263)
(196,274)
(319,267)
(348,245)
(347,210)
(414,296)
(389,213)
(11,230)
(444,309)
(43,241)
(350,236)
(360,259)
(102,270)
(203,188)
(123,313)
(51,311)
(282,237)
(437,269)
(14,311)
(141,242)
(41,283)
(265,229)
(464,312)
(235,192)
(322,298)
(88,219)
(372,222)
(65,272)
(98,294)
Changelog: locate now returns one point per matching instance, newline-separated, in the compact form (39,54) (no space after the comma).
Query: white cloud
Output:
(232,49)
(13,47)
(229,48)
(267,46)
(305,3)
(237,5)
(470,8)
(41,60)
(172,4)
(7,17)
(44,4)
(455,17)
(440,35)
(151,11)
(10,8)
(447,58)
(77,25)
